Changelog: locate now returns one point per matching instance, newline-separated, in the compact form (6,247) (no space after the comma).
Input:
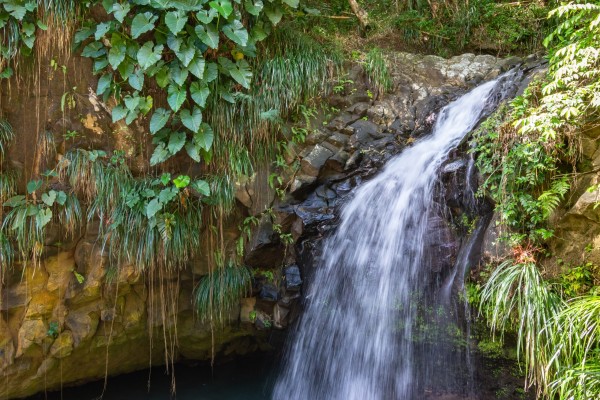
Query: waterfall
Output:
(355,338)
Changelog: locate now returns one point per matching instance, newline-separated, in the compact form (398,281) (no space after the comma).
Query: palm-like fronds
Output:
(219,293)
(517,298)
(575,340)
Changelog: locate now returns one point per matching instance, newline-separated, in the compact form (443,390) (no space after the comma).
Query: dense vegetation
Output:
(212,83)
(529,152)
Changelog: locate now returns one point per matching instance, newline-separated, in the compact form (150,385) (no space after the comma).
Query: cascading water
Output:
(355,339)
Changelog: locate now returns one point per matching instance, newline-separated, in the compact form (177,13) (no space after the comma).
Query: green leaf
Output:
(142,23)
(193,150)
(191,120)
(174,43)
(101,30)
(148,55)
(181,181)
(80,278)
(167,194)
(292,3)
(163,77)
(209,35)
(15,201)
(43,217)
(176,97)
(274,14)
(28,28)
(176,142)
(178,75)
(104,84)
(159,120)
(200,93)
(205,16)
(175,21)
(61,197)
(132,102)
(16,10)
(83,34)
(224,7)
(196,66)
(94,50)
(118,113)
(116,54)
(204,137)
(41,25)
(254,8)
(49,198)
(211,72)
(160,154)
(34,185)
(186,55)
(120,11)
(165,178)
(201,187)
(241,73)
(136,80)
(237,33)
(153,207)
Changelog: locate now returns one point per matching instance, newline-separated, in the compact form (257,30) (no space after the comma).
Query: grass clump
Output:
(218,294)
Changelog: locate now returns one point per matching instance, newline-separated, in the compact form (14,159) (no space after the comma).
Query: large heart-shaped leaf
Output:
(49,198)
(104,84)
(136,80)
(116,54)
(142,23)
(120,11)
(274,14)
(186,54)
(196,66)
(153,207)
(241,73)
(201,187)
(43,217)
(292,3)
(204,137)
(149,54)
(176,97)
(160,154)
(176,21)
(191,120)
(209,35)
(193,150)
(254,8)
(176,142)
(224,7)
(159,120)
(178,74)
(237,33)
(205,16)
(200,93)
(118,113)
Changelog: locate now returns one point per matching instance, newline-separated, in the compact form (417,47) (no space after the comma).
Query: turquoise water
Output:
(246,379)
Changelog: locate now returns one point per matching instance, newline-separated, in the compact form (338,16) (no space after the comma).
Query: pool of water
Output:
(244,379)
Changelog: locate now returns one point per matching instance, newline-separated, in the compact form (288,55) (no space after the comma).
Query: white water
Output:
(355,337)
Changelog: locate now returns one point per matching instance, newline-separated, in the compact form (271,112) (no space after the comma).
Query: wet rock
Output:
(381,114)
(359,109)
(269,292)
(293,281)
(342,120)
(315,160)
(338,139)
(316,136)
(280,316)
(301,182)
(338,161)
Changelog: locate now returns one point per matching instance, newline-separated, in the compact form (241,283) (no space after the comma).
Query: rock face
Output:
(576,238)
(56,328)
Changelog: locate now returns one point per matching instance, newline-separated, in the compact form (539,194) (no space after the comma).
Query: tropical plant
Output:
(516,298)
(219,293)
